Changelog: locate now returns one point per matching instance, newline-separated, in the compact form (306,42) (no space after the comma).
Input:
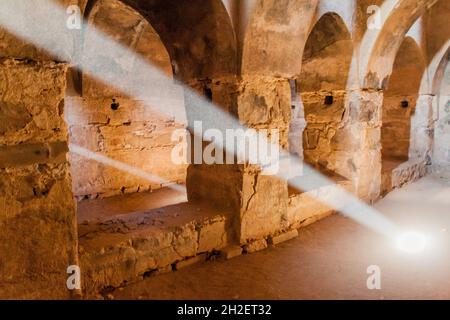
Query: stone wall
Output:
(134,134)
(38,238)
(441,156)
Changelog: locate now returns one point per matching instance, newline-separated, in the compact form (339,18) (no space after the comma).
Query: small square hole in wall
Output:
(329,100)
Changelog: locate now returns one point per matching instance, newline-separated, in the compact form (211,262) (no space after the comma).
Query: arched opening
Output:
(318,115)
(105,121)
(399,105)
(119,207)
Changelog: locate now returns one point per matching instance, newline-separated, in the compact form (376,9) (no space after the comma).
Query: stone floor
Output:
(329,260)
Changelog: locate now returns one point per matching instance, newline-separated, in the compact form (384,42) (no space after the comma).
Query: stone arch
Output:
(328,39)
(401,109)
(380,46)
(131,30)
(322,88)
(198,35)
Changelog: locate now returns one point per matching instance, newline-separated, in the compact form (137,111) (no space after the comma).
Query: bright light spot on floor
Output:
(412,242)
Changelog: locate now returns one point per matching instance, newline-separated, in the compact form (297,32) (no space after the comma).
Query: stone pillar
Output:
(38,239)
(364,133)
(257,203)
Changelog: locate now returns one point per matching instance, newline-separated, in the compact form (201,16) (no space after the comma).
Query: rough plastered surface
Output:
(37,212)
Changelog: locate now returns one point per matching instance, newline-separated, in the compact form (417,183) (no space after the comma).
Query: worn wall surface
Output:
(441,156)
(133,135)
(37,212)
(323,45)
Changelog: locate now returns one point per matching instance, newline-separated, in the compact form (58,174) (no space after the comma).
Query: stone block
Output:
(283,237)
(231,252)
(213,236)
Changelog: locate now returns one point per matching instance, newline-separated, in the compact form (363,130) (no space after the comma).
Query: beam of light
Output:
(411,242)
(44,26)
(85,153)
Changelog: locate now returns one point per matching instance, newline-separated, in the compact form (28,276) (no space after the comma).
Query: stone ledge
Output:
(121,249)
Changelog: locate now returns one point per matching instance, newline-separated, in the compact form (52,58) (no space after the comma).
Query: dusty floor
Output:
(329,260)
